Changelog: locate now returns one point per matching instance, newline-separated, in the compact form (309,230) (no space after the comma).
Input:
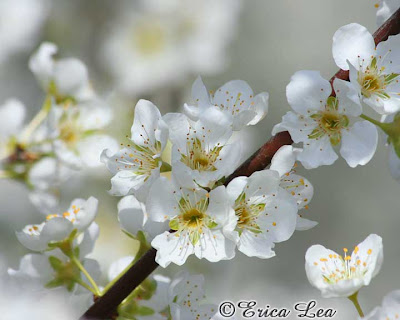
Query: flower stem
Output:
(383,126)
(85,285)
(75,260)
(37,120)
(354,298)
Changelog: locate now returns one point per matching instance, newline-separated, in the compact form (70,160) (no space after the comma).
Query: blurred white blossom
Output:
(155,43)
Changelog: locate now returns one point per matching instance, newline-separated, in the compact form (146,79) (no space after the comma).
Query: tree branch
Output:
(107,304)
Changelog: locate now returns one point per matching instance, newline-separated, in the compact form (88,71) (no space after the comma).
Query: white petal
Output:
(307,91)
(130,214)
(71,77)
(349,101)
(261,183)
(298,126)
(200,94)
(12,116)
(84,212)
(162,201)
(260,107)
(256,245)
(91,148)
(359,143)
(284,159)
(118,266)
(236,187)
(317,152)
(42,63)
(89,239)
(354,43)
(388,53)
(170,248)
(214,246)
(305,224)
(145,123)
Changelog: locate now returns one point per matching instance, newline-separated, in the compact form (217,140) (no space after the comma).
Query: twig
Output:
(108,303)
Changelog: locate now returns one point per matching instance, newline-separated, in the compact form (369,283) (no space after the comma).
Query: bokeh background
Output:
(270,41)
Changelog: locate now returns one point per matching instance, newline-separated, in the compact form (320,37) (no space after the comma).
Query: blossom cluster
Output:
(176,174)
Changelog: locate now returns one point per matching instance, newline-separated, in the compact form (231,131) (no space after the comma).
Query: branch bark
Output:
(107,304)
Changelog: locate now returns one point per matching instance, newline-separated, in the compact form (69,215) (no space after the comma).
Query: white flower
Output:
(374,72)
(390,309)
(136,166)
(77,133)
(284,161)
(321,121)
(266,213)
(58,227)
(235,98)
(65,79)
(337,276)
(201,153)
(187,295)
(386,8)
(198,219)
(21,22)
(154,43)
(133,218)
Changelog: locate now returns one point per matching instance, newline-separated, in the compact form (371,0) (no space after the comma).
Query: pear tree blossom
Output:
(374,70)
(343,276)
(266,213)
(201,152)
(136,166)
(284,162)
(58,227)
(153,44)
(321,122)
(235,98)
(198,218)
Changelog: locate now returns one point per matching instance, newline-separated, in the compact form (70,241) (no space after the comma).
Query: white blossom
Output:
(58,227)
(137,165)
(321,122)
(284,162)
(199,219)
(266,213)
(20,26)
(374,71)
(201,151)
(187,296)
(65,79)
(337,276)
(154,43)
(235,98)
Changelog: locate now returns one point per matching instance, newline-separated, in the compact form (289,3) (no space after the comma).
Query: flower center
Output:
(374,82)
(336,268)
(69,133)
(192,219)
(199,159)
(149,38)
(330,122)
(247,214)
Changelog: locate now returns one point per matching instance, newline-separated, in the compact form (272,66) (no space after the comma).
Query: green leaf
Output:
(144,311)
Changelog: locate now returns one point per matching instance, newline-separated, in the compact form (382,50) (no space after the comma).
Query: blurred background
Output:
(261,42)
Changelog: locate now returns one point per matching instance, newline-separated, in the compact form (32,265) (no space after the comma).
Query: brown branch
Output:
(107,304)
